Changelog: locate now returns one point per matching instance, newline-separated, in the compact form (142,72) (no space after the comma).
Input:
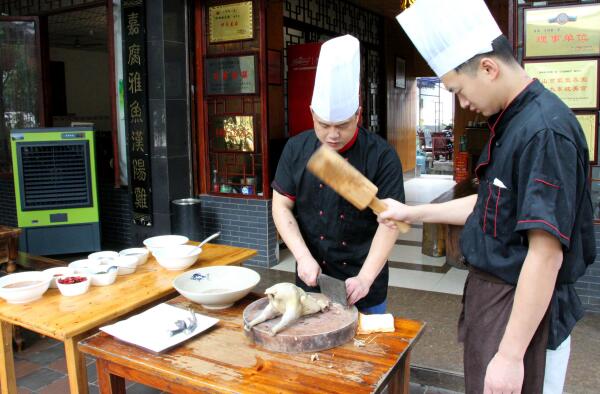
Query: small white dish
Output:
(127,264)
(140,253)
(74,289)
(102,275)
(24,287)
(57,272)
(178,257)
(163,241)
(150,329)
(103,255)
(82,265)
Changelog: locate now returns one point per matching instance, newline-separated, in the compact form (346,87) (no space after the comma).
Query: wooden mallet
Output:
(347,181)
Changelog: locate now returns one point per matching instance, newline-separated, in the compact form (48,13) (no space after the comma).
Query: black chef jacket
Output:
(337,234)
(533,174)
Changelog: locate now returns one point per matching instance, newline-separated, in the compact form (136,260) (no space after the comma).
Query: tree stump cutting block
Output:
(319,331)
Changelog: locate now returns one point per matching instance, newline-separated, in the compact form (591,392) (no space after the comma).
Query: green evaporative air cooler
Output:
(55,190)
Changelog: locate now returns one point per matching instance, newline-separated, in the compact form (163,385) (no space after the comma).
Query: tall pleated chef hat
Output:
(448,33)
(335,95)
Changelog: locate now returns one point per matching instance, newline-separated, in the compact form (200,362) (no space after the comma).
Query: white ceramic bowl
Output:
(140,253)
(127,264)
(82,265)
(57,272)
(216,287)
(24,287)
(101,275)
(178,257)
(163,241)
(74,289)
(103,255)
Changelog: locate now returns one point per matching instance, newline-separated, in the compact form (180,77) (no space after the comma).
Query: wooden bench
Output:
(9,241)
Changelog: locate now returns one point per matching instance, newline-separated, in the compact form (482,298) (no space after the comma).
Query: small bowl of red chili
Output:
(57,273)
(73,285)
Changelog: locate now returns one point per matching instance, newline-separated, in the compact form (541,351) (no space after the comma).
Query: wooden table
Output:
(69,319)
(224,360)
(9,241)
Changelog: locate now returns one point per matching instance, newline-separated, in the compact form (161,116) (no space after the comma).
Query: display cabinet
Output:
(232,109)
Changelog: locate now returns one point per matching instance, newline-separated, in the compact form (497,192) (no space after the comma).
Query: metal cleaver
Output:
(333,288)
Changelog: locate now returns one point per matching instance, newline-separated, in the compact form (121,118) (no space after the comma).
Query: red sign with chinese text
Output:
(461,166)
(302,68)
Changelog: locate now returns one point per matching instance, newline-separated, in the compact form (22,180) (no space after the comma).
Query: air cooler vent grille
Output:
(54,175)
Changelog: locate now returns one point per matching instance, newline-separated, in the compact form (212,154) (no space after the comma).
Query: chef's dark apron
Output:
(487,304)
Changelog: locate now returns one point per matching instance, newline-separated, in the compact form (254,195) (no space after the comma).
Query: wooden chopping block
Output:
(312,333)
(347,181)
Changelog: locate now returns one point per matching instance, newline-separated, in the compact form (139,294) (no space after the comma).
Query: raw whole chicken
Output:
(288,300)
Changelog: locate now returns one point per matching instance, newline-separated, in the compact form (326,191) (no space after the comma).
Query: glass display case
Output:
(235,157)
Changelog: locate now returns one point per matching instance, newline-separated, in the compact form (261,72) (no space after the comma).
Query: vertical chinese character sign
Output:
(136,107)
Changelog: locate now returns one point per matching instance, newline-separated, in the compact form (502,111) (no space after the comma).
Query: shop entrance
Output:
(55,73)
(435,134)
(78,70)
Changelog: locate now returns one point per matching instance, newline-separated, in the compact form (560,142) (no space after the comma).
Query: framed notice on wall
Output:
(589,124)
(562,31)
(231,75)
(230,22)
(574,81)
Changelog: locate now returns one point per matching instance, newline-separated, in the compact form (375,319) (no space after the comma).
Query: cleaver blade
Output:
(333,288)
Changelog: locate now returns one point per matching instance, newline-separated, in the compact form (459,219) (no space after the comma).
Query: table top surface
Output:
(224,359)
(6,231)
(63,317)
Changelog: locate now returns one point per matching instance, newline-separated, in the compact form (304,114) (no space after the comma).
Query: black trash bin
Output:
(186,219)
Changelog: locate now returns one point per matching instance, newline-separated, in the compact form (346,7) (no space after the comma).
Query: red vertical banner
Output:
(302,68)
(461,166)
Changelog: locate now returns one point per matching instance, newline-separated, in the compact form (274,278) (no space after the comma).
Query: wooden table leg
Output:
(8,382)
(18,338)
(109,383)
(400,382)
(76,366)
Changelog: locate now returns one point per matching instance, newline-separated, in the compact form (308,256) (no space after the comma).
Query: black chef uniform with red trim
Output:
(337,234)
(533,174)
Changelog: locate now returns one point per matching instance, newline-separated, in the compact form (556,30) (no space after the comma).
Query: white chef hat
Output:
(448,33)
(335,95)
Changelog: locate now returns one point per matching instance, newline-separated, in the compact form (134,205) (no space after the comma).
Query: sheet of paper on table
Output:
(151,328)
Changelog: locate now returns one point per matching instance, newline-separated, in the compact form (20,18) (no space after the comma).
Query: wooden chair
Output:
(439,145)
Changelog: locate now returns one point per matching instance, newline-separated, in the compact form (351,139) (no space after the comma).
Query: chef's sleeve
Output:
(547,182)
(389,180)
(283,182)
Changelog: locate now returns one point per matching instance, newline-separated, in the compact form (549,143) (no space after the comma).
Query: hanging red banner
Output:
(302,68)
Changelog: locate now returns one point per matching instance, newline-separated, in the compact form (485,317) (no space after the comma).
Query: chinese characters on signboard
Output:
(575,82)
(562,31)
(230,22)
(134,55)
(588,123)
(230,75)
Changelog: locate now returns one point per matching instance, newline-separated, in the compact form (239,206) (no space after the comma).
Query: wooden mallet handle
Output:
(379,206)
